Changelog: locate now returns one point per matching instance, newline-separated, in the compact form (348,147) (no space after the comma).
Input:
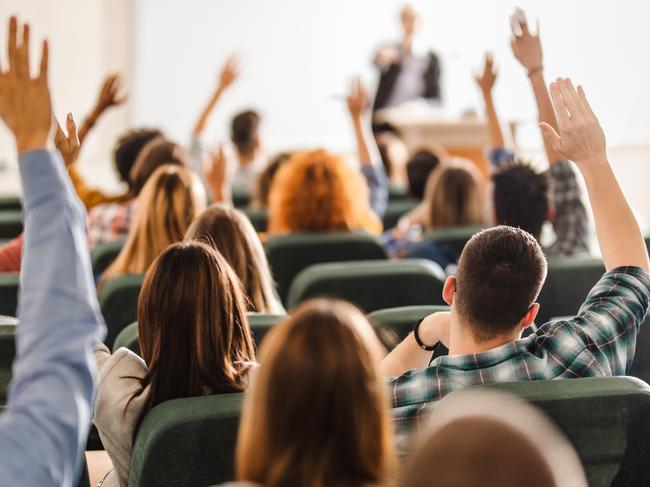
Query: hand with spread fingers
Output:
(25,104)
(108,95)
(526,47)
(68,145)
(580,138)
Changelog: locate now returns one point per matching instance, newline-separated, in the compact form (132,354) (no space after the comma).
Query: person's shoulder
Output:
(123,364)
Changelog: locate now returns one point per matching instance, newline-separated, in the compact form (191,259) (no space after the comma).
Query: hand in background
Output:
(229,72)
(68,145)
(580,137)
(108,97)
(215,171)
(358,100)
(25,104)
(526,47)
(488,77)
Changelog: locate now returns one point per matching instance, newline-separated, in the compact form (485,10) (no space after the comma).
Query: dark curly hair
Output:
(127,148)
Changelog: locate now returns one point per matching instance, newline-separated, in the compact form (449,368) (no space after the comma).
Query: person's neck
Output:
(246,160)
(463,342)
(407,44)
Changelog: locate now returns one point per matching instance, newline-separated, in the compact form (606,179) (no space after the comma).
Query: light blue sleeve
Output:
(377,181)
(44,428)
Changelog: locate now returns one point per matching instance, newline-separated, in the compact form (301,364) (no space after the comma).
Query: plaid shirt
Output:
(109,222)
(599,341)
(570,223)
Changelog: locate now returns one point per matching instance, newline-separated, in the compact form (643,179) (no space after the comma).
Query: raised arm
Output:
(229,74)
(581,139)
(527,49)
(367,151)
(485,82)
(108,97)
(44,428)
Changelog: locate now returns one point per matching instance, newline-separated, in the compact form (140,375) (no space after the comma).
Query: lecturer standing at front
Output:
(405,74)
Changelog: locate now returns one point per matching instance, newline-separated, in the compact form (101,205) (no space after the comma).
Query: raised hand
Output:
(68,145)
(358,100)
(215,171)
(488,77)
(25,104)
(108,95)
(526,47)
(229,72)
(581,138)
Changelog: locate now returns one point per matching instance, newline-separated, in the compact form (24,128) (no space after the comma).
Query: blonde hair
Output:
(231,233)
(318,192)
(454,195)
(317,412)
(169,201)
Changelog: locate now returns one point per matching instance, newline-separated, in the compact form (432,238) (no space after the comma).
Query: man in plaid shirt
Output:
(500,274)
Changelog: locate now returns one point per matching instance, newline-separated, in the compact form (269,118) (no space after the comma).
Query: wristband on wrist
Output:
(419,341)
(535,70)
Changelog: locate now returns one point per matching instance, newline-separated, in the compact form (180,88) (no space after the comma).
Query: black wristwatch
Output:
(420,343)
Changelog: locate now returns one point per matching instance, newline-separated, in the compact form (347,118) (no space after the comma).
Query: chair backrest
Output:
(10,203)
(104,255)
(260,324)
(394,324)
(187,442)
(7,353)
(568,282)
(372,285)
(396,209)
(9,285)
(241,197)
(605,418)
(454,238)
(290,254)
(118,298)
(11,223)
(258,217)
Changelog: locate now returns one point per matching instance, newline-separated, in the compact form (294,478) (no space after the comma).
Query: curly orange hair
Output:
(318,192)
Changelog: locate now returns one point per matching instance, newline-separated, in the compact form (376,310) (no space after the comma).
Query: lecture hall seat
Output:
(118,299)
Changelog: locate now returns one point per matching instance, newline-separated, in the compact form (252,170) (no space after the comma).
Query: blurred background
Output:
(298,57)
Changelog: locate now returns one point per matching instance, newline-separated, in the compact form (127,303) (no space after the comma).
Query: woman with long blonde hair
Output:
(170,199)
(317,412)
(229,231)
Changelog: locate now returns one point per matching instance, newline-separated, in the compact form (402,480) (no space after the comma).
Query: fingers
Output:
(585,102)
(12,44)
(71,127)
(570,97)
(60,135)
(551,136)
(560,107)
(24,54)
(45,52)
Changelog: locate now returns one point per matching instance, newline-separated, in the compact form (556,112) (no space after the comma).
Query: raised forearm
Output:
(545,111)
(202,121)
(88,123)
(494,127)
(406,356)
(366,147)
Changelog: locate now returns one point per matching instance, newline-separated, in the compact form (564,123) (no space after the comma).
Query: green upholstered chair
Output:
(606,419)
(11,223)
(10,203)
(7,353)
(118,298)
(394,324)
(568,282)
(290,254)
(372,285)
(396,209)
(241,198)
(397,193)
(103,256)
(9,285)
(258,217)
(187,442)
(260,324)
(454,238)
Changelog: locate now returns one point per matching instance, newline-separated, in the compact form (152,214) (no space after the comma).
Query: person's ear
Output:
(529,317)
(449,289)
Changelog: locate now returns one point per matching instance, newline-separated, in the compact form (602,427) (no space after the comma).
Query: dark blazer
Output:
(389,78)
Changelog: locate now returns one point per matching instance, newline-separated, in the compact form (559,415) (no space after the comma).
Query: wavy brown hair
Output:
(231,233)
(169,201)
(317,413)
(192,326)
(454,196)
(318,192)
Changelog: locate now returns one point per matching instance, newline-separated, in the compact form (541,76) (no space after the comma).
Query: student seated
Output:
(194,340)
(319,192)
(394,154)
(264,182)
(500,274)
(229,232)
(111,221)
(474,437)
(170,200)
(317,412)
(523,197)
(45,422)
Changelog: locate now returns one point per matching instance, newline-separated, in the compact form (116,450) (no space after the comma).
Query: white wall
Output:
(298,53)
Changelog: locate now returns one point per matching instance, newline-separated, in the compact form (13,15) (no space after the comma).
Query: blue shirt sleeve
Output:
(377,181)
(44,428)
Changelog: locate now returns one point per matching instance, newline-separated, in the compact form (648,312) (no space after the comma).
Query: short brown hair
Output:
(157,152)
(317,413)
(244,131)
(500,273)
